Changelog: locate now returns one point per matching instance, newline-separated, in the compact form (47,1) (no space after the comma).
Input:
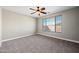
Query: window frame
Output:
(55,24)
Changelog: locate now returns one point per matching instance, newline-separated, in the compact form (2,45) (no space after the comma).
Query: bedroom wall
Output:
(78,24)
(70,25)
(0,25)
(16,25)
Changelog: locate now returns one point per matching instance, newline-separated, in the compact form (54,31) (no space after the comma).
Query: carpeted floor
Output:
(39,44)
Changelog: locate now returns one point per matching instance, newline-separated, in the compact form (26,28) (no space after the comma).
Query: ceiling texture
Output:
(24,10)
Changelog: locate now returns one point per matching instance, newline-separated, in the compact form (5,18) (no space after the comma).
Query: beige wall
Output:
(70,25)
(0,25)
(16,25)
(0,22)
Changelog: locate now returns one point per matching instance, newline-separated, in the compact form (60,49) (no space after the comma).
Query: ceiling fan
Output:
(38,10)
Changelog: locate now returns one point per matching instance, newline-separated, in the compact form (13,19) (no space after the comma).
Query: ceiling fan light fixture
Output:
(39,10)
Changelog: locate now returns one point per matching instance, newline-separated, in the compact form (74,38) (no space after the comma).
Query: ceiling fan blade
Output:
(44,12)
(32,9)
(43,8)
(33,12)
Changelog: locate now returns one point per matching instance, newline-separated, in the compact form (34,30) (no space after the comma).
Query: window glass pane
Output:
(44,24)
(49,24)
(58,20)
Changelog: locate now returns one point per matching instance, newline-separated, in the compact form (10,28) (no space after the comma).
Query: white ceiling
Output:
(25,9)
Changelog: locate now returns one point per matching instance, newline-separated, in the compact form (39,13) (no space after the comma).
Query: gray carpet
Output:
(39,44)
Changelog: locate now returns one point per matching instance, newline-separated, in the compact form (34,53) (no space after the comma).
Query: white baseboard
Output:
(60,38)
(15,38)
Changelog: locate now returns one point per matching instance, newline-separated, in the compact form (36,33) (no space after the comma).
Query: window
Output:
(52,24)
(58,20)
(49,24)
